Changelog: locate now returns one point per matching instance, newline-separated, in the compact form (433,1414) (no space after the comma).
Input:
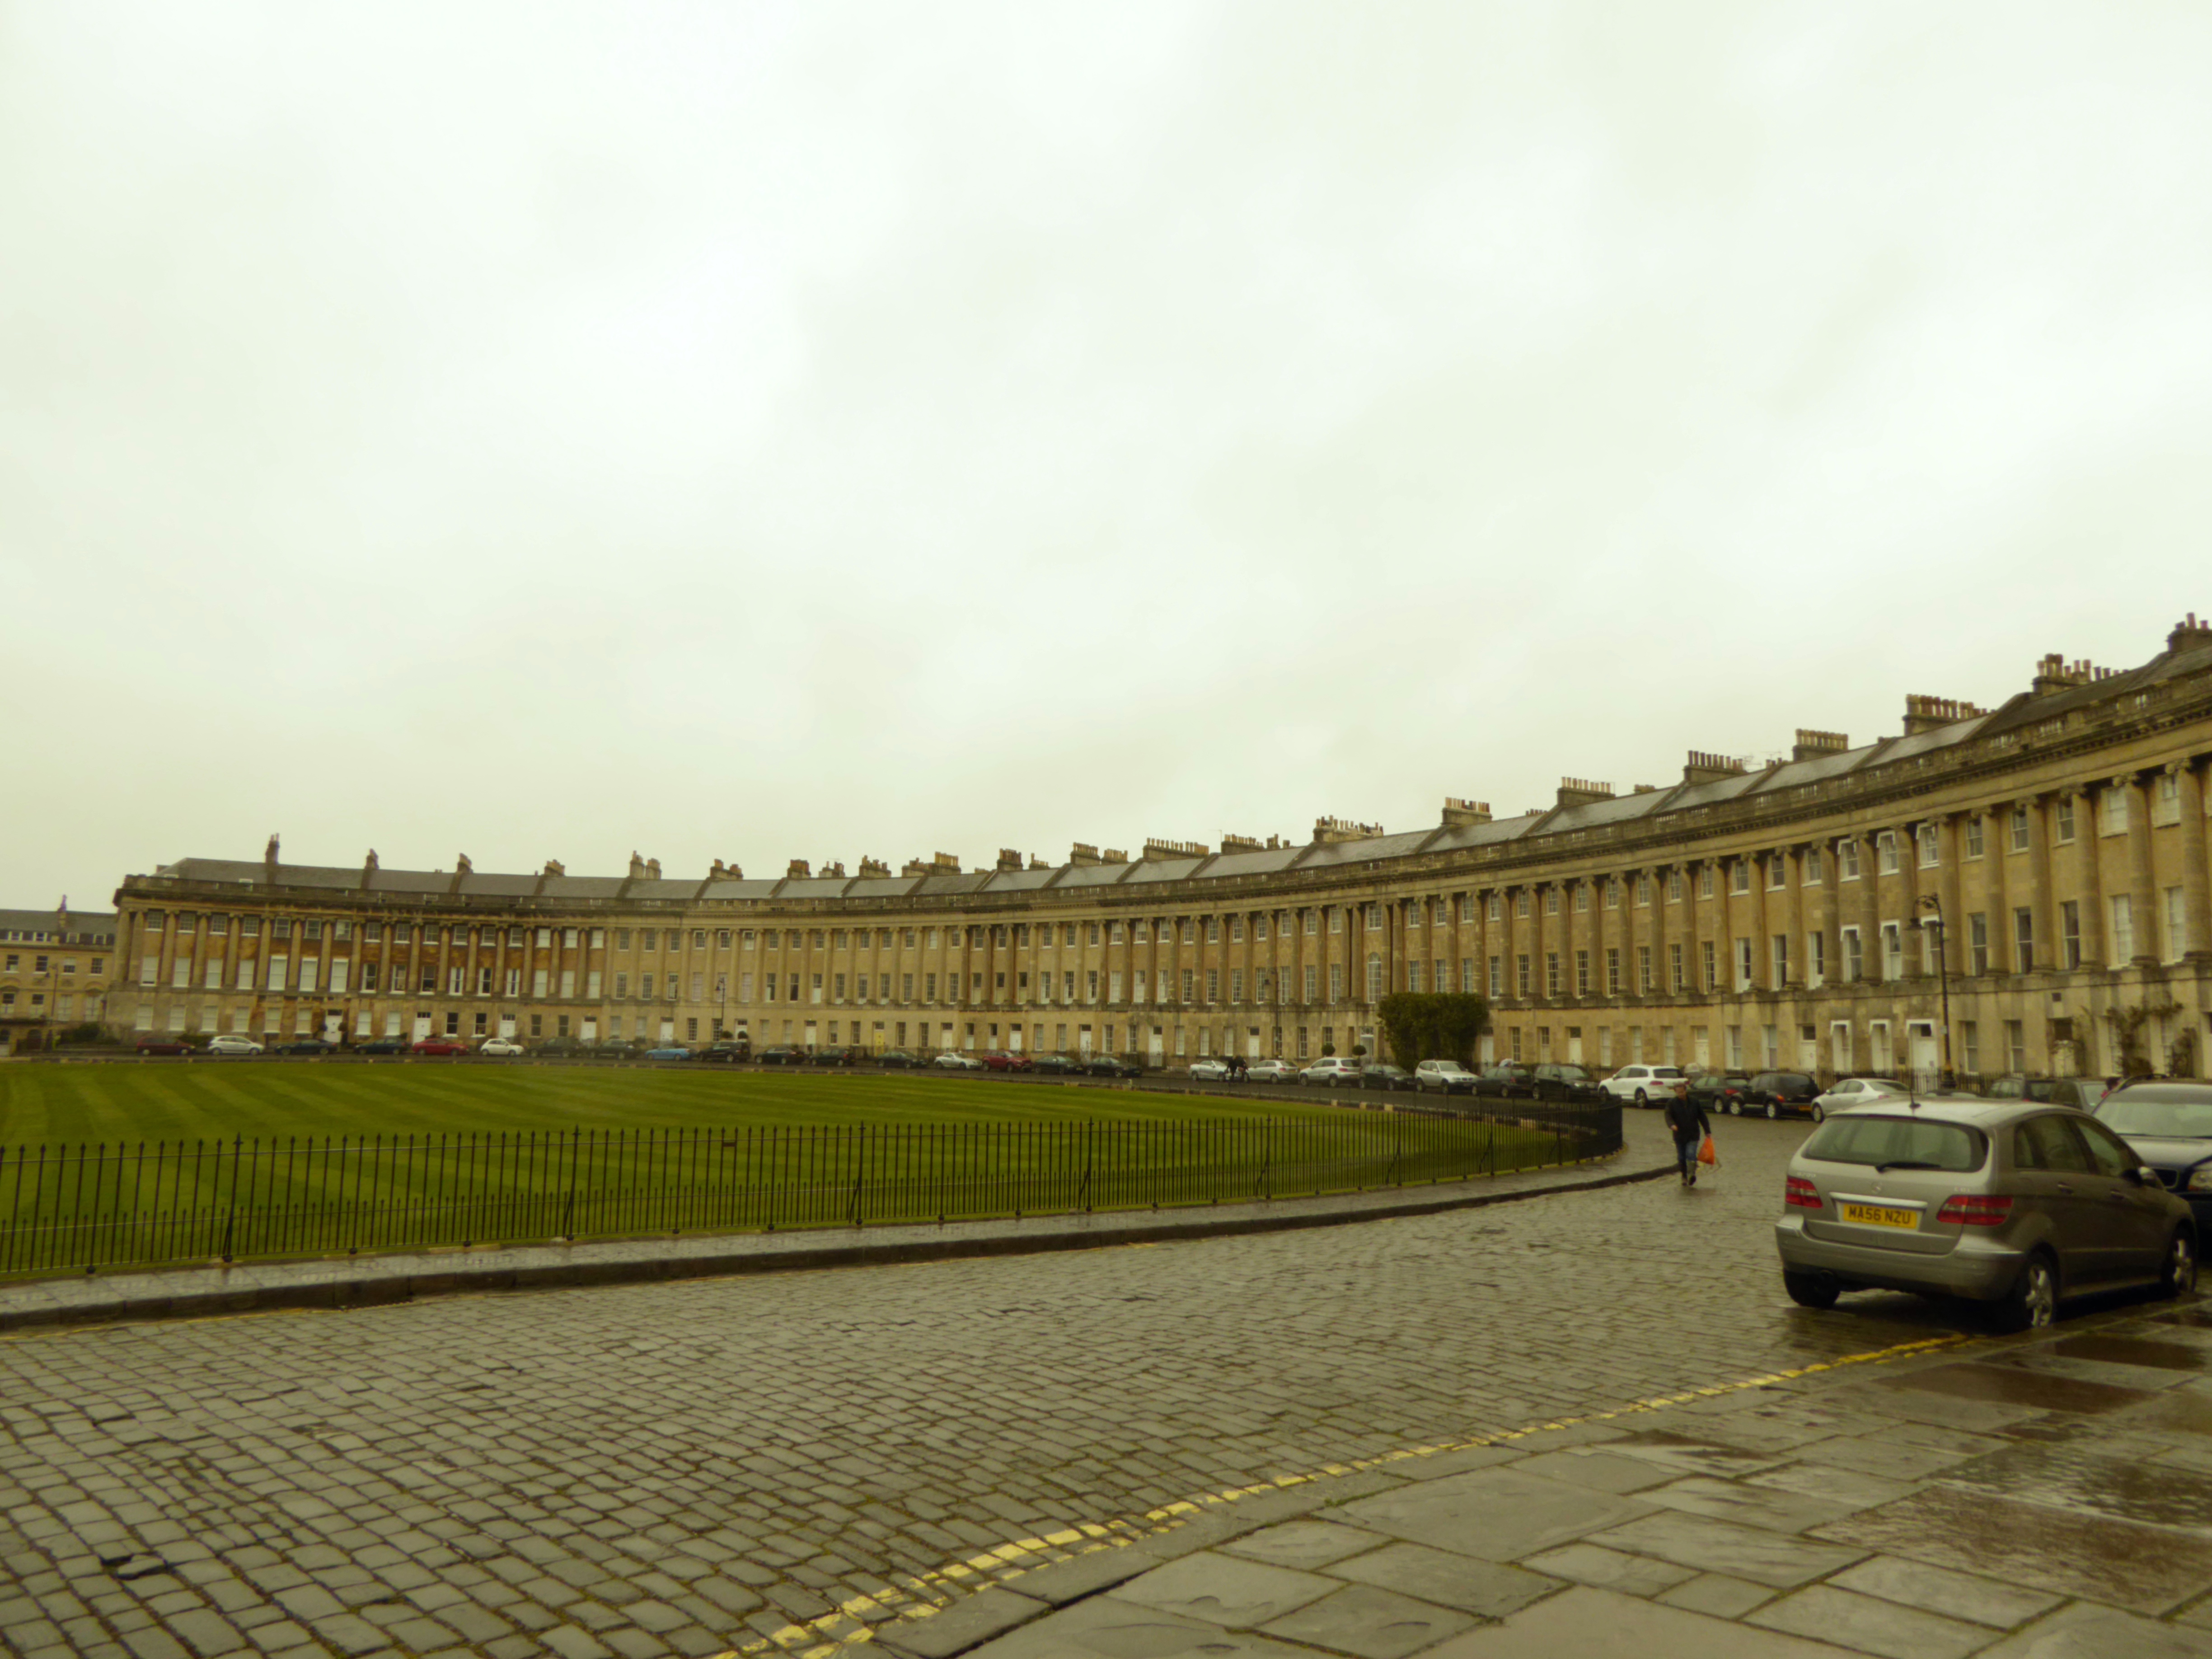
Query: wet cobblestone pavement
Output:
(735,1464)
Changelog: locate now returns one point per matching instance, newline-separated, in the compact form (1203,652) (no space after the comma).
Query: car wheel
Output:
(1811,1289)
(1820,1113)
(1643,1100)
(2178,1276)
(1773,1111)
(1735,1109)
(2033,1301)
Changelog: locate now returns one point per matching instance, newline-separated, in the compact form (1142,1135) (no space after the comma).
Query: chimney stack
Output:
(1009,859)
(1924,713)
(797,869)
(2190,634)
(1581,792)
(1811,745)
(1459,813)
(1704,767)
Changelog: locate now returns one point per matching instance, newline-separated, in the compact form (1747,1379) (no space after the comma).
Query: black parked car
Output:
(783,1056)
(1569,1083)
(381,1046)
(898,1059)
(1057,1065)
(1507,1080)
(310,1046)
(838,1057)
(728,1052)
(2081,1093)
(1392,1080)
(1112,1065)
(1772,1093)
(1713,1090)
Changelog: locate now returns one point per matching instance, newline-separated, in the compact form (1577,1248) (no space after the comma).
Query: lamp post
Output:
(1932,920)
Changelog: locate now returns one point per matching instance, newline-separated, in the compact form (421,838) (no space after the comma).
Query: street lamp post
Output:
(1933,922)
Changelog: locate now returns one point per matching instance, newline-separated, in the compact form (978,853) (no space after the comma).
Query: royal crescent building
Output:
(2027,884)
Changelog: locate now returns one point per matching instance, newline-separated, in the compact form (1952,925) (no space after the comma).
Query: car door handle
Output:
(2064,1191)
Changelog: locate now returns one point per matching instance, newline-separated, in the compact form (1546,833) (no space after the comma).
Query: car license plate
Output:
(1878,1215)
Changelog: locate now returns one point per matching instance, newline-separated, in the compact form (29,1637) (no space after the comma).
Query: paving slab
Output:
(1764,1556)
(1870,1626)
(1062,1582)
(1223,1589)
(1449,1580)
(1593,1621)
(956,1629)
(1496,1514)
(1971,1596)
(1600,1471)
(2086,1631)
(1750,1505)
(1107,1628)
(1718,1594)
(1304,1544)
(1603,1569)
(1369,1623)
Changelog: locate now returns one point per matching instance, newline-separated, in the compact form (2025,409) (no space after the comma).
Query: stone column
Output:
(2195,856)
(2089,850)
(2142,880)
(1870,903)
(2043,909)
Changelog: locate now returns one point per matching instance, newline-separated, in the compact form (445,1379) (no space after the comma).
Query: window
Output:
(2113,810)
(1520,903)
(1705,882)
(1581,973)
(1675,969)
(1374,979)
(1930,853)
(1523,980)
(2166,799)
(1885,846)
(1497,978)
(1847,860)
(1581,897)
(2023,939)
(1711,966)
(1612,970)
(1613,893)
(2062,825)
(2015,1038)
(1740,876)
(1551,972)
(1970,1047)
(2070,932)
(1973,841)
(1781,954)
(1892,951)
(1674,887)
(2177,925)
(1312,985)
(1743,964)
(1978,943)
(2124,929)
(1496,908)
(1816,956)
(1777,871)
(1335,981)
(2017,830)
(1412,979)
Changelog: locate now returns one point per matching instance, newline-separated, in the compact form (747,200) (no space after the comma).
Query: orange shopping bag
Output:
(1707,1154)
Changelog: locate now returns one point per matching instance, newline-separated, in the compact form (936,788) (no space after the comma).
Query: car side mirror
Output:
(2143,1175)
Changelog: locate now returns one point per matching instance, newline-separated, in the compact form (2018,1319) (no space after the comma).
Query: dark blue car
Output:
(2169,1127)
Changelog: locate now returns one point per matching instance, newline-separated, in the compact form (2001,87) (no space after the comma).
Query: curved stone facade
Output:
(1785,915)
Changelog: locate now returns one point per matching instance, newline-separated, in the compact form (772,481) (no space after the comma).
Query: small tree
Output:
(1432,1025)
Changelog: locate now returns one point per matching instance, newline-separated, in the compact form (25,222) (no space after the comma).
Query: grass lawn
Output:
(120,1164)
(216,1100)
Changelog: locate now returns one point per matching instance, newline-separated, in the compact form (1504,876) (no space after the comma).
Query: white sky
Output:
(764,432)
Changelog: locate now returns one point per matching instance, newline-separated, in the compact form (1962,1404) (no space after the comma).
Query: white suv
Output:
(1444,1076)
(1335,1069)
(1645,1083)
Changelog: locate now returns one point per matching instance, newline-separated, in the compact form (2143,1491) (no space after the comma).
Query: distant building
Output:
(1779,915)
(55,968)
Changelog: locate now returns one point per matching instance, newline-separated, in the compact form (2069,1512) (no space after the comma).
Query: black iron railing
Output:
(84,1207)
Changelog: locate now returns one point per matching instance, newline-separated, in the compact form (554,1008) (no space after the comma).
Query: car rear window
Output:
(1862,1139)
(2176,1109)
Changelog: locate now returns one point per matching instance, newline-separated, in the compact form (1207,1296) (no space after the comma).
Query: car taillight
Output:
(1799,1194)
(1975,1210)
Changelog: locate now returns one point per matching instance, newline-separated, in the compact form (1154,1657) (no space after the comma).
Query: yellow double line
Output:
(918,1596)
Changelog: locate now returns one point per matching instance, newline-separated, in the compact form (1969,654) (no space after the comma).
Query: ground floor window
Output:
(1303,1051)
(536,1025)
(1970,1047)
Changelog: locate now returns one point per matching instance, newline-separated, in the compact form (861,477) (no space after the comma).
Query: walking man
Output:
(1686,1119)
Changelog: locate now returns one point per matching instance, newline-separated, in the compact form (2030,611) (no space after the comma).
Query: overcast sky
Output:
(821,431)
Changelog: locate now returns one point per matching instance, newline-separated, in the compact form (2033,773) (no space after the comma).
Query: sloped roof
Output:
(1326,855)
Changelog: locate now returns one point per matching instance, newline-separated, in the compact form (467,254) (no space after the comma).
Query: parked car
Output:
(1506,1080)
(1444,1076)
(2015,1203)
(1004,1060)
(1713,1090)
(1773,1093)
(952,1061)
(669,1051)
(563,1047)
(612,1049)
(2082,1093)
(783,1056)
(1571,1084)
(835,1056)
(1271,1071)
(1112,1065)
(1647,1085)
(1211,1070)
(381,1046)
(163,1046)
(500,1047)
(232,1043)
(1332,1068)
(439,1045)
(1058,1065)
(1848,1094)
(897,1059)
(2169,1125)
(306,1046)
(1390,1079)
(729,1054)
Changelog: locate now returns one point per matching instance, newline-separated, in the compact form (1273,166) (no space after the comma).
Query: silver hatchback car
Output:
(2015,1202)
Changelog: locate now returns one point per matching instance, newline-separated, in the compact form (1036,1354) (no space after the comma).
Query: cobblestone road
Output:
(690,1468)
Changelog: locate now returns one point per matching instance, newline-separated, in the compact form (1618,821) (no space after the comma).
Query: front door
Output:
(1926,1073)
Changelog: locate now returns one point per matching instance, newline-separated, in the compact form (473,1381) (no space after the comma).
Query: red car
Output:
(1006,1062)
(440,1045)
(163,1046)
